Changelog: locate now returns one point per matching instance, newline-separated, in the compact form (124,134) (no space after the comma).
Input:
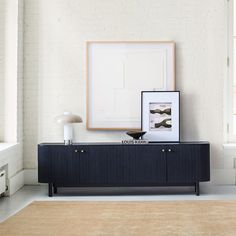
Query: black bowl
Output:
(136,134)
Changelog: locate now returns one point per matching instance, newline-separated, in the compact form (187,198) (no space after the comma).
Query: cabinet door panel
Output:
(115,166)
(123,166)
(92,167)
(204,162)
(44,164)
(65,165)
(102,166)
(144,165)
(182,163)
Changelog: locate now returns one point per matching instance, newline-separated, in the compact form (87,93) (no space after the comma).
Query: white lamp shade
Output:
(68,118)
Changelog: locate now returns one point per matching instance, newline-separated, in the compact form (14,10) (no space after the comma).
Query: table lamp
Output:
(67,119)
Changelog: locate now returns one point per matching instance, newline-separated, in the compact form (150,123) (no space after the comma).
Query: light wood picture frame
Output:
(117,72)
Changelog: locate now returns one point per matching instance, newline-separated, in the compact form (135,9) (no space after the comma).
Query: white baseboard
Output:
(15,183)
(223,176)
(31,177)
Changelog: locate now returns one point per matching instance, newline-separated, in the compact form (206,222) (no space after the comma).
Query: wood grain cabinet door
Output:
(44,164)
(65,165)
(102,166)
(128,165)
(145,165)
(182,163)
(92,167)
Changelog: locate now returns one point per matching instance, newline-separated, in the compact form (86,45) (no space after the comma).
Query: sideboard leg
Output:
(50,185)
(197,188)
(54,188)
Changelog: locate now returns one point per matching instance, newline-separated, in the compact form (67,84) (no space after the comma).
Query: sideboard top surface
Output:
(121,144)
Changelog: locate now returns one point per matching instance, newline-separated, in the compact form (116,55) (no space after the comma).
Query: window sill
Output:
(6,147)
(229,146)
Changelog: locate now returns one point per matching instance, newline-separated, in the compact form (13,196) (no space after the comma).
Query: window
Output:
(231,73)
(8,70)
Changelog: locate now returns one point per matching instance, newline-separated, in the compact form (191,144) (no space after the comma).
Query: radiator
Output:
(2,181)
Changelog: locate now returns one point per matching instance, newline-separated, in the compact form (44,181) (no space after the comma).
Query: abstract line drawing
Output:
(164,123)
(167,111)
(160,116)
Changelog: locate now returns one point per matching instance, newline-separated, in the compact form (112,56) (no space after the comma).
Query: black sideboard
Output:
(116,164)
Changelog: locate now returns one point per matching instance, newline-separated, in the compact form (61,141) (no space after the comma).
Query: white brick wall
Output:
(55,62)
(55,33)
(20,73)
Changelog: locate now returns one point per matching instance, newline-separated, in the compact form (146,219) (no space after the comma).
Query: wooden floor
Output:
(123,218)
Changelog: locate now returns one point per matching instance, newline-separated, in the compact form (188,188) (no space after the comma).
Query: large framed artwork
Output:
(117,72)
(160,115)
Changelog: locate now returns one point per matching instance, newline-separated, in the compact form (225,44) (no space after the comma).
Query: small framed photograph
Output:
(160,115)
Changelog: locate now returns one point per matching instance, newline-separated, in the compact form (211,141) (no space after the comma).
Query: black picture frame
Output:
(168,128)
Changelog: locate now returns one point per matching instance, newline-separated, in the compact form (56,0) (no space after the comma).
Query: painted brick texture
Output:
(55,35)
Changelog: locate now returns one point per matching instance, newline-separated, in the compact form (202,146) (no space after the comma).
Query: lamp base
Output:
(68,134)
(68,142)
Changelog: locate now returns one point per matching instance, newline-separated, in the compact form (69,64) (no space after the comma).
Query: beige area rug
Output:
(123,218)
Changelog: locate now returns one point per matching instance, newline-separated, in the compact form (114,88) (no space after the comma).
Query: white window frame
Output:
(230,137)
